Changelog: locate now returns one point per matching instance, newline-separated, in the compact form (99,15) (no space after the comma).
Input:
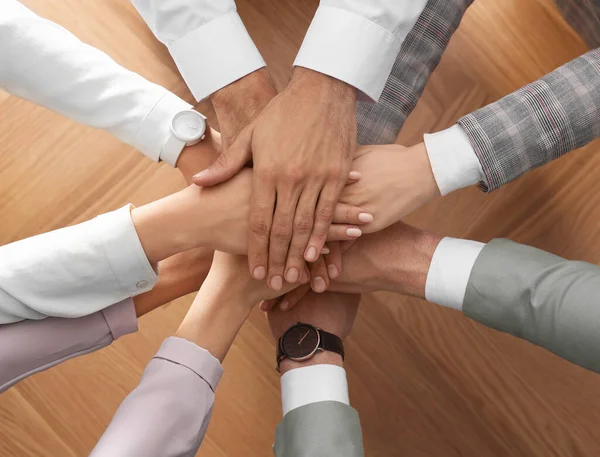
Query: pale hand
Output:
(395,181)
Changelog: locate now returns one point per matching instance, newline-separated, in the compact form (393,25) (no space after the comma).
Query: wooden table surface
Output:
(425,380)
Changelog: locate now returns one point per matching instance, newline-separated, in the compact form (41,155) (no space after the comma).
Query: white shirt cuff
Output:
(215,55)
(350,48)
(156,127)
(453,160)
(123,250)
(450,271)
(313,384)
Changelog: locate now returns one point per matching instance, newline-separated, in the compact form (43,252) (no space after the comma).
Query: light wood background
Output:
(425,380)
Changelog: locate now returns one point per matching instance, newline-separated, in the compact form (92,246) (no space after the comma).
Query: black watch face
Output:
(300,342)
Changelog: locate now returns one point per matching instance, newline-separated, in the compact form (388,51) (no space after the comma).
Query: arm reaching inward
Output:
(168,413)
(29,347)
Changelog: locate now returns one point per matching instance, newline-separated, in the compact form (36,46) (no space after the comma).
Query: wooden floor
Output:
(426,381)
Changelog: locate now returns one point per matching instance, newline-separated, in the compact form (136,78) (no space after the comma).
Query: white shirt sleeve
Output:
(453,160)
(313,384)
(74,271)
(207,40)
(46,64)
(450,271)
(357,41)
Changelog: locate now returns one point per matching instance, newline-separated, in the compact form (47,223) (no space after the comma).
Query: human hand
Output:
(332,312)
(214,217)
(223,304)
(239,103)
(395,181)
(396,259)
(302,146)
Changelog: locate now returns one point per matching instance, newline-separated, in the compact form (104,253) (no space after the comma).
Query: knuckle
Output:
(303,224)
(259,226)
(281,232)
(294,174)
(325,211)
(335,173)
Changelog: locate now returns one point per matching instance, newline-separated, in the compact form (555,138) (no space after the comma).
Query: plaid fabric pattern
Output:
(538,123)
(584,17)
(420,54)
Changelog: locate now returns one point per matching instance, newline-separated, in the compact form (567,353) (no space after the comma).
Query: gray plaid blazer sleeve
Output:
(540,297)
(419,56)
(538,123)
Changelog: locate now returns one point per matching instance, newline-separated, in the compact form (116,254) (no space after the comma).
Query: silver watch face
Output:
(188,126)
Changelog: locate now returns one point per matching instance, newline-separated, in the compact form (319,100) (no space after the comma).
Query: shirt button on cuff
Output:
(142,284)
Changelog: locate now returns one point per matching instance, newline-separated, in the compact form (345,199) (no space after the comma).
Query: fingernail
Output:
(325,251)
(284,305)
(201,174)
(263,305)
(365,217)
(333,271)
(311,254)
(353,232)
(259,273)
(319,285)
(355,175)
(276,283)
(292,275)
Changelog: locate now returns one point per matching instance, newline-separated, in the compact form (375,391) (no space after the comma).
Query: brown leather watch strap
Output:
(331,343)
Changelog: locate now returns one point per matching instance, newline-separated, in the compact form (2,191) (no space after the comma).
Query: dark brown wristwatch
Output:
(302,341)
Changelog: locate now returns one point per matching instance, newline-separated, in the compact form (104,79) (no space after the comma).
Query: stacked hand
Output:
(300,170)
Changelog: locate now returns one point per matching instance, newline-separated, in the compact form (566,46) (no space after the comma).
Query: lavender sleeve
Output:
(31,346)
(168,413)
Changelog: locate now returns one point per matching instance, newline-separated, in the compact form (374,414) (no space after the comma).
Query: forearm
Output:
(212,30)
(318,418)
(349,38)
(214,325)
(419,56)
(168,413)
(49,66)
(537,296)
(555,115)
(29,347)
(396,259)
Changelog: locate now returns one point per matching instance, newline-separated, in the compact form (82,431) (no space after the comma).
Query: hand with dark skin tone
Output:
(396,259)
(302,146)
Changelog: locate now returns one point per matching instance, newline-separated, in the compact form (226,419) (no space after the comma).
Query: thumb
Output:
(229,162)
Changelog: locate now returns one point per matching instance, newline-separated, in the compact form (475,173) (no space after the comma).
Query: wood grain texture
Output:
(425,380)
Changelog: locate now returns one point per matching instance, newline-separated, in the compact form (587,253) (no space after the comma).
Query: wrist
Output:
(239,103)
(253,84)
(214,320)
(171,225)
(408,274)
(323,85)
(320,358)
